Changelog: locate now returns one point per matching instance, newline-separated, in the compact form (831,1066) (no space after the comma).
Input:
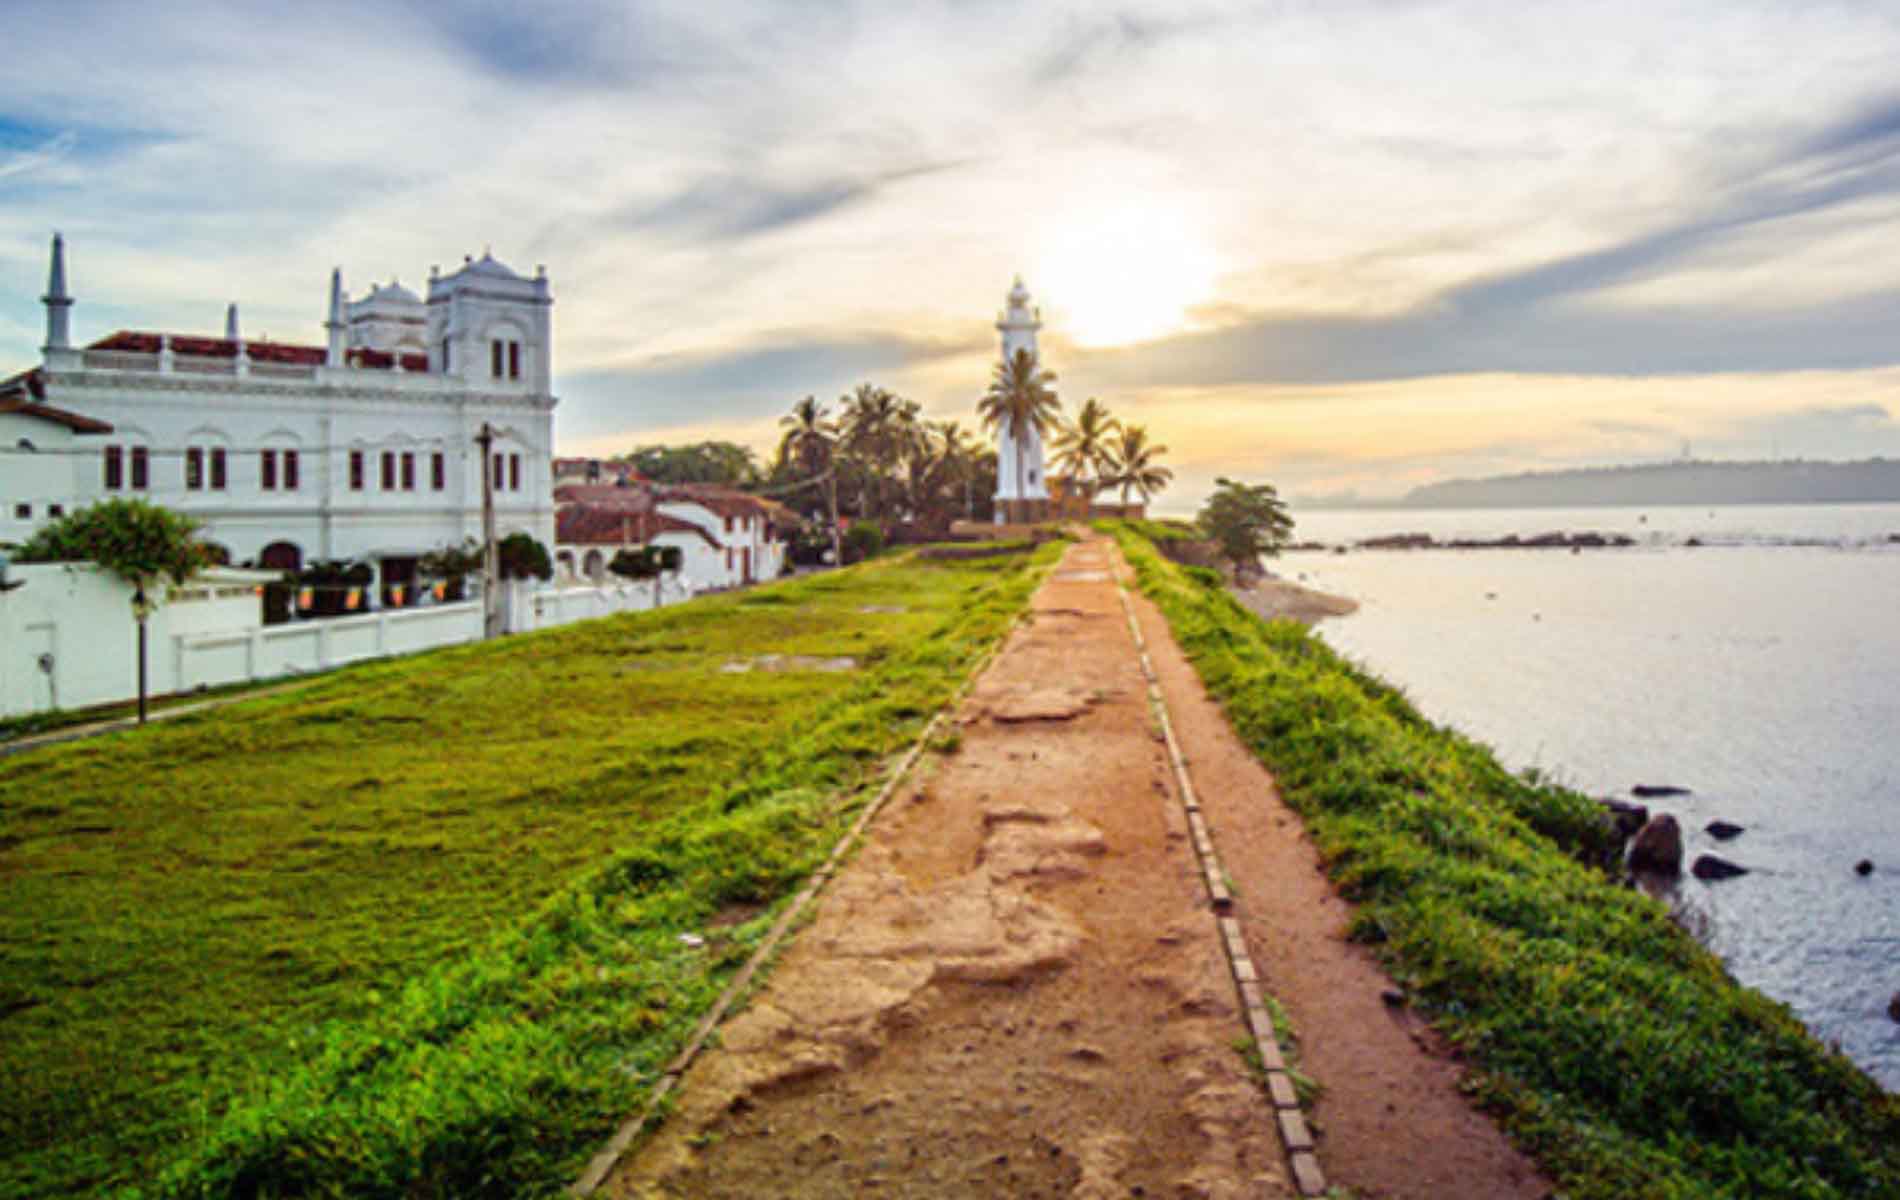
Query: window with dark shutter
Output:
(497,472)
(290,470)
(217,469)
(408,471)
(438,471)
(389,470)
(141,469)
(494,358)
(194,469)
(514,360)
(267,469)
(115,468)
(356,470)
(514,472)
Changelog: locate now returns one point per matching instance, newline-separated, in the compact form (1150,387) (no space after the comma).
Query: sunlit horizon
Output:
(1351,249)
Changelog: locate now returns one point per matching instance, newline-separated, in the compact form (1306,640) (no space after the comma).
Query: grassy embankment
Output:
(415,929)
(1614,1048)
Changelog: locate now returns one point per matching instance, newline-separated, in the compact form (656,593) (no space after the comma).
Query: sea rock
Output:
(1651,790)
(1709,866)
(1399,541)
(1658,846)
(1864,867)
(1722,831)
(1625,818)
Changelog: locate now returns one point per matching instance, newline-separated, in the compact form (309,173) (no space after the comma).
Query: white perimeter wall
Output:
(210,636)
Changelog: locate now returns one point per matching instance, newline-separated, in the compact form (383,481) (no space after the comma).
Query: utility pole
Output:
(831,492)
(142,610)
(491,552)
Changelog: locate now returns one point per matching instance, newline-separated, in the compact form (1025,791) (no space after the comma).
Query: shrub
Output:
(138,541)
(523,557)
(636,562)
(865,539)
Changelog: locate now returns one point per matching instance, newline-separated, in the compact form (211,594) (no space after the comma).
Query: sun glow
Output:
(1124,274)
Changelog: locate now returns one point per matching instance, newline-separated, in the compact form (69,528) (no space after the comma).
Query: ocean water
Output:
(1761,670)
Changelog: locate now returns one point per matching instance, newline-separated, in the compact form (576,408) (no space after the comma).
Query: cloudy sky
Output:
(1332,245)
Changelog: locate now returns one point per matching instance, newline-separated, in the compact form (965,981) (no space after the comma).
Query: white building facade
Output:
(46,454)
(725,537)
(1020,475)
(363,449)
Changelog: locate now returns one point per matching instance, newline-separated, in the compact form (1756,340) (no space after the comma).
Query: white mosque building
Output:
(1022,489)
(363,448)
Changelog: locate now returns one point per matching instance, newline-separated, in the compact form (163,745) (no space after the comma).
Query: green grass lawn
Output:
(413,930)
(1612,1046)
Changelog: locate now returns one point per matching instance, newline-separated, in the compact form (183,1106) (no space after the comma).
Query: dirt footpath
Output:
(1017,988)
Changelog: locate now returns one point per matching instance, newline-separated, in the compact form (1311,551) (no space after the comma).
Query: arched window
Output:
(281,556)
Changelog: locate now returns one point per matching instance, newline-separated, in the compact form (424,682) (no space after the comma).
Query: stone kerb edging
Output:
(1296,1138)
(603,1163)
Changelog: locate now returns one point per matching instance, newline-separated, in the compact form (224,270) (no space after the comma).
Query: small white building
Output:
(45,454)
(726,537)
(748,545)
(366,448)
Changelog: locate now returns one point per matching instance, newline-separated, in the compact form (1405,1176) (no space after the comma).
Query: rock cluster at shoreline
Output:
(1587,540)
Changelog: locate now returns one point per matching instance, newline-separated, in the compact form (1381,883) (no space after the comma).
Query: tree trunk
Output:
(138,609)
(837,546)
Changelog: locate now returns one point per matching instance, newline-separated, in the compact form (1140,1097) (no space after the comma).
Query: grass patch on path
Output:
(1615,1049)
(414,930)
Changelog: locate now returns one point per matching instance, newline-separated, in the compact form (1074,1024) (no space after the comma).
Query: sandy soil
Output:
(1017,989)
(1270,599)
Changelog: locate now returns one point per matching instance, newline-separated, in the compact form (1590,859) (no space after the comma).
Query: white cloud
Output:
(699,179)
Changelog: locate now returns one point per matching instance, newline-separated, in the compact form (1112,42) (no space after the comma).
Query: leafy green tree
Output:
(1137,465)
(1083,449)
(141,543)
(1247,522)
(703,462)
(1020,398)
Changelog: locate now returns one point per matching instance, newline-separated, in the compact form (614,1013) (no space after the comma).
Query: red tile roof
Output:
(27,383)
(22,394)
(581,525)
(137,342)
(605,495)
(727,502)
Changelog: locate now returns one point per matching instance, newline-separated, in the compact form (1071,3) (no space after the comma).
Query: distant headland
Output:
(1793,481)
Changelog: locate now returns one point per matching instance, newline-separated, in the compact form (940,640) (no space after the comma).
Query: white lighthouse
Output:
(1022,492)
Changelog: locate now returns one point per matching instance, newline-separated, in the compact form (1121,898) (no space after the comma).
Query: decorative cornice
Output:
(485,294)
(254,386)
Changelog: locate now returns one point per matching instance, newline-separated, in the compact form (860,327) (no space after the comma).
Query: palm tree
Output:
(810,441)
(943,468)
(1020,399)
(808,437)
(1082,448)
(880,429)
(1137,465)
